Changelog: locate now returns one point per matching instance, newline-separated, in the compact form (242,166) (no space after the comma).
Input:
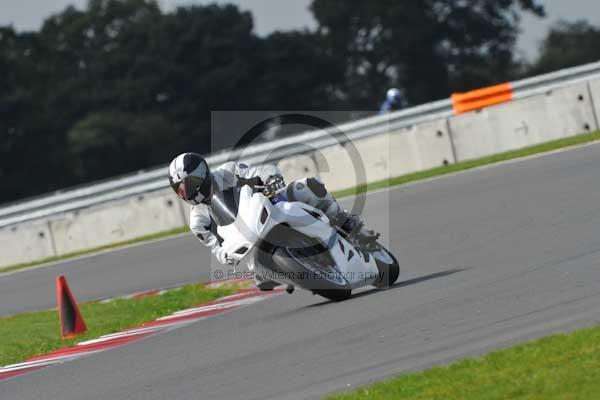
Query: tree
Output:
(121,86)
(427,47)
(210,56)
(118,76)
(298,73)
(23,119)
(108,143)
(567,45)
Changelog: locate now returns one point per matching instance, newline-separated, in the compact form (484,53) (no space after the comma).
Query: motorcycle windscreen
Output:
(224,206)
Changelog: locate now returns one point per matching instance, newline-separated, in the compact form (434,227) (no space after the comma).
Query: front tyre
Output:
(388,267)
(289,260)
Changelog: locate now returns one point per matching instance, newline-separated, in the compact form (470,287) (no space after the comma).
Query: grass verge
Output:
(555,367)
(444,170)
(30,334)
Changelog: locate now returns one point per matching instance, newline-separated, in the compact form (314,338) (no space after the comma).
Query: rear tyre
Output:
(389,269)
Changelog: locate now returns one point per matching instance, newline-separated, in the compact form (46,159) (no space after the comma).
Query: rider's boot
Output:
(355,229)
(311,191)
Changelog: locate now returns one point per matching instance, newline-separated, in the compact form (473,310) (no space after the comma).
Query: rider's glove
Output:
(274,183)
(231,261)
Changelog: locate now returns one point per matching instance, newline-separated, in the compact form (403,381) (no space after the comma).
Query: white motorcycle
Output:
(292,243)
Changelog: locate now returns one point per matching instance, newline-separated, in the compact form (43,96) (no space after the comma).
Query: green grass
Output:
(556,367)
(461,166)
(30,334)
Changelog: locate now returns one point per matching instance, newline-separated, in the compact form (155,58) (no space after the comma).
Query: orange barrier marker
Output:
(71,321)
(481,98)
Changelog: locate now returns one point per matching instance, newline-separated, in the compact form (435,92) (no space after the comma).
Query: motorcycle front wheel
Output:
(304,255)
(389,269)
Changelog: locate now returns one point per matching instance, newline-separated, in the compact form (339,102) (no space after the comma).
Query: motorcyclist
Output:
(194,182)
(393,101)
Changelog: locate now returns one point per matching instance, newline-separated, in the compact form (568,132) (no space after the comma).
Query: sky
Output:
(271,15)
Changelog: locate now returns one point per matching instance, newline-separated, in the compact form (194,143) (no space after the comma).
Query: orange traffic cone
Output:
(71,321)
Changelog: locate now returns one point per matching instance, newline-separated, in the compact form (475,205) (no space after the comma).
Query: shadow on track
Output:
(399,285)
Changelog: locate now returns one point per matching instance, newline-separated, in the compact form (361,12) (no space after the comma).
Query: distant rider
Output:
(191,178)
(393,101)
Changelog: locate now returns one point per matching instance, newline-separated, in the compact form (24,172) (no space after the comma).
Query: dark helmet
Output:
(190,178)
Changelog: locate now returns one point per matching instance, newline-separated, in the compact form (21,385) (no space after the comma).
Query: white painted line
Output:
(204,308)
(47,361)
(129,332)
(117,336)
(220,306)
(235,303)
(184,313)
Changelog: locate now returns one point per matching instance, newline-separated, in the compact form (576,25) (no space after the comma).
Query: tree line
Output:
(121,85)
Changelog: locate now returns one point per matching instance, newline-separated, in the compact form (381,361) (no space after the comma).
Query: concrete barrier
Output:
(117,221)
(25,242)
(298,167)
(521,123)
(594,88)
(335,168)
(186,208)
(386,156)
(433,145)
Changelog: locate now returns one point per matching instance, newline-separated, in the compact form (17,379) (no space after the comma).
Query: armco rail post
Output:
(71,321)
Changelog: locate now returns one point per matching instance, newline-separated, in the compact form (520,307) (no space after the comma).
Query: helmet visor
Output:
(194,189)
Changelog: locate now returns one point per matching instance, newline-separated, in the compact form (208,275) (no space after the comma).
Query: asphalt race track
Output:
(162,264)
(489,258)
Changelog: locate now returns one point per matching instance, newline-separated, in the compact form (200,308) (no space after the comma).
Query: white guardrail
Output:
(155,179)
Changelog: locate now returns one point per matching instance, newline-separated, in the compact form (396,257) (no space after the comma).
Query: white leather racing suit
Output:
(308,190)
